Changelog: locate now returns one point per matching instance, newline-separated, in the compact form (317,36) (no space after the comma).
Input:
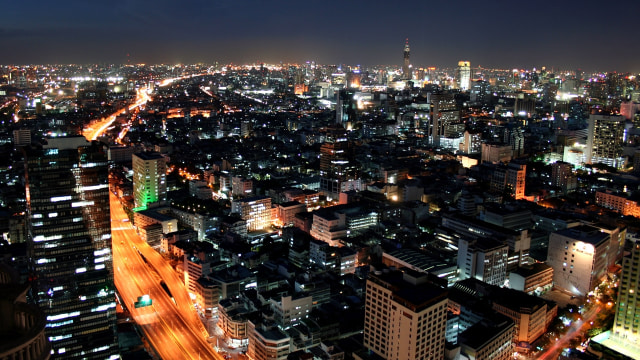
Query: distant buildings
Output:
(406,64)
(463,75)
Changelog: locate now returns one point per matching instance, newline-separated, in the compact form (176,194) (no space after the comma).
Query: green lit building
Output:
(149,180)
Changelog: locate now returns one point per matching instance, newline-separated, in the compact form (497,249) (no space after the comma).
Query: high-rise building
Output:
(405,315)
(605,140)
(624,337)
(463,75)
(406,65)
(346,107)
(69,239)
(149,180)
(334,158)
(444,113)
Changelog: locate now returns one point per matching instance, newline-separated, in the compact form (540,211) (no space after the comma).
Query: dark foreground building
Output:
(69,237)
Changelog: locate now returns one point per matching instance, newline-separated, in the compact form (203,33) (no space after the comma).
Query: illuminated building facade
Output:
(579,257)
(463,75)
(149,180)
(69,239)
(256,211)
(605,140)
(484,259)
(405,316)
(334,158)
(619,202)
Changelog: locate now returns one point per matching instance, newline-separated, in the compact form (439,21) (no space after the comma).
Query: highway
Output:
(98,127)
(174,331)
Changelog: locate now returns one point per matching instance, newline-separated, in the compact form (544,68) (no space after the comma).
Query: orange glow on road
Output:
(174,330)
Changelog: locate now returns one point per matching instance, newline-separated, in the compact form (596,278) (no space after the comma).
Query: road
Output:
(575,329)
(174,331)
(99,127)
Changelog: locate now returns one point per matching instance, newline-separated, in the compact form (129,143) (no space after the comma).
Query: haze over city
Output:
(588,35)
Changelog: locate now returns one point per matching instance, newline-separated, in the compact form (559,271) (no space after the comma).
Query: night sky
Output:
(561,34)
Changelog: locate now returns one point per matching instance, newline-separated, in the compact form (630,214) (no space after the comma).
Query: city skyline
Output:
(498,35)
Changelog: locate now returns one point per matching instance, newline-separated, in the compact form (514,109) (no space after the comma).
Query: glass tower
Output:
(69,235)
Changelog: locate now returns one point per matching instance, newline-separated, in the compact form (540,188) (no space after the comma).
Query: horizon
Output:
(498,35)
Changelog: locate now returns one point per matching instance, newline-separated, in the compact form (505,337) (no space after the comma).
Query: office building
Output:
(241,186)
(484,259)
(256,211)
(562,176)
(444,113)
(619,202)
(533,279)
(488,339)
(509,179)
(405,316)
(496,153)
(149,180)
(69,236)
(267,341)
(626,325)
(580,257)
(605,140)
(472,228)
(463,75)
(623,339)
(346,108)
(334,158)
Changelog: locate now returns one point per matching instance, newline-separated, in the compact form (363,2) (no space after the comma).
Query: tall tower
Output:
(149,180)
(463,75)
(406,72)
(626,327)
(69,239)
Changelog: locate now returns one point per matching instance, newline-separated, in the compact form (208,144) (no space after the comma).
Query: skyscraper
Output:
(405,316)
(149,180)
(463,75)
(406,71)
(605,140)
(626,325)
(624,337)
(69,238)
